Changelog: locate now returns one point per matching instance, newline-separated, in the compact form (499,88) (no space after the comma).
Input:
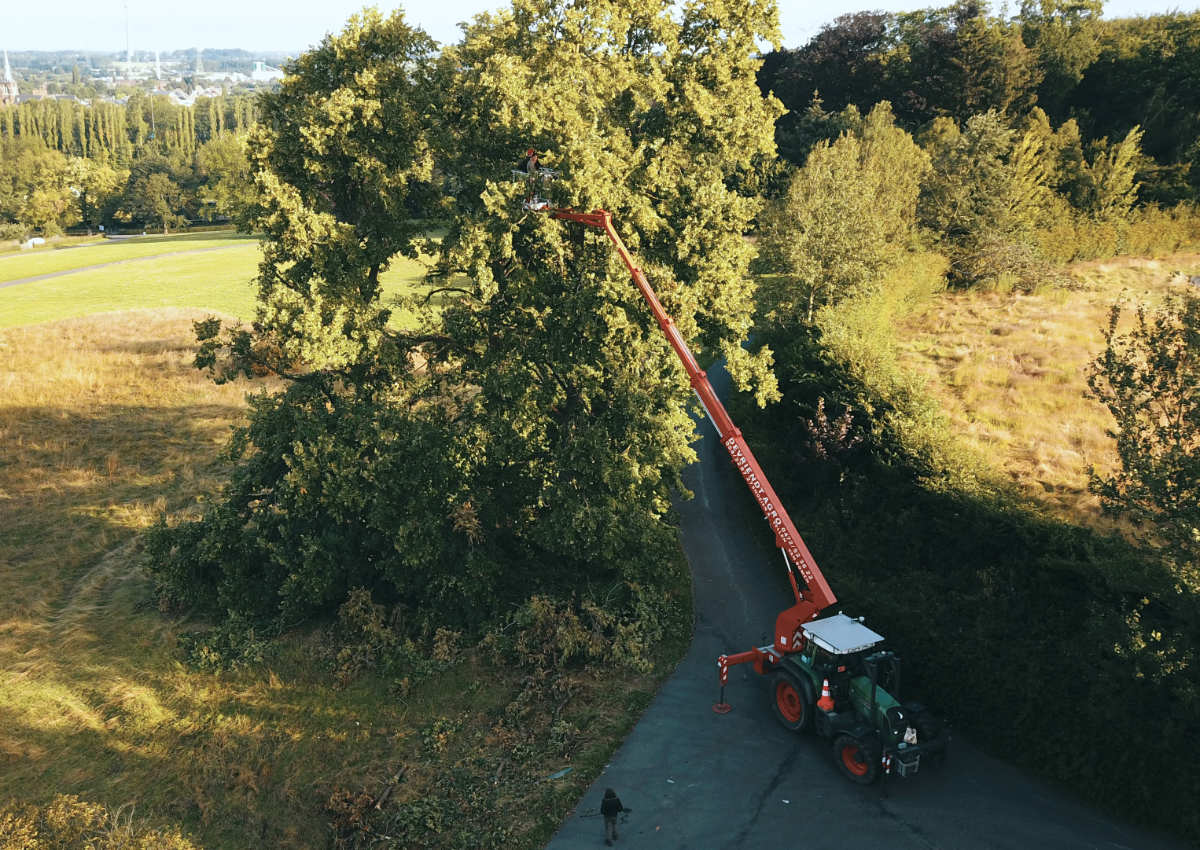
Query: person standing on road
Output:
(610,807)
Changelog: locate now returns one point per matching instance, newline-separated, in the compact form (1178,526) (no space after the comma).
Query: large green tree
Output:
(988,192)
(95,184)
(224,164)
(526,435)
(155,197)
(35,193)
(647,114)
(346,476)
(1065,35)
(847,211)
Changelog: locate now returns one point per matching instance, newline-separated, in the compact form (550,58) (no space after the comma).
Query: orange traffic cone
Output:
(825,703)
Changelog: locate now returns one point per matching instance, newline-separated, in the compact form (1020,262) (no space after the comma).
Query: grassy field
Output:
(62,258)
(219,281)
(104,426)
(1010,370)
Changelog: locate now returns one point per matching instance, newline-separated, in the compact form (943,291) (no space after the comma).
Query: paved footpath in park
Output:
(702,781)
(49,275)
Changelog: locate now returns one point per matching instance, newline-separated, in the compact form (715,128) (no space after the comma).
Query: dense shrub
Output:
(1146,231)
(987,194)
(1149,379)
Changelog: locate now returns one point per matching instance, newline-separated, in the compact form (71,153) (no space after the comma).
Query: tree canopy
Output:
(966,59)
(847,210)
(526,436)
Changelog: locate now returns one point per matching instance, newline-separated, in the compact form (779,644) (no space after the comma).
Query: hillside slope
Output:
(1010,371)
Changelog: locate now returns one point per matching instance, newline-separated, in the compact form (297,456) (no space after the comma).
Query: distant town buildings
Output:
(8,86)
(264,73)
(175,80)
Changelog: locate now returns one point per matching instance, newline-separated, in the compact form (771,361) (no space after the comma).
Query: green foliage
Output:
(156,197)
(998,72)
(1148,232)
(525,439)
(959,60)
(1065,35)
(651,134)
(987,195)
(342,159)
(1112,188)
(224,162)
(116,134)
(845,215)
(366,641)
(1149,378)
(113,151)
(550,634)
(35,188)
(1146,75)
(95,185)
(233,644)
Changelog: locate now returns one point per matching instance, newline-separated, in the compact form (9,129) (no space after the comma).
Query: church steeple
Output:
(8,86)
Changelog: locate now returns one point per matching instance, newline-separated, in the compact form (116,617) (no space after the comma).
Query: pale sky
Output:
(294,25)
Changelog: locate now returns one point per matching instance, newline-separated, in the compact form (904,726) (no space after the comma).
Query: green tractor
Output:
(859,704)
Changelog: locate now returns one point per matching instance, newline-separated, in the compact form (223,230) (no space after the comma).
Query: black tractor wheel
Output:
(791,701)
(857,761)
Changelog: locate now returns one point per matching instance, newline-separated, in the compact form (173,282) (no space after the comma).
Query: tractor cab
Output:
(835,646)
(860,672)
(841,635)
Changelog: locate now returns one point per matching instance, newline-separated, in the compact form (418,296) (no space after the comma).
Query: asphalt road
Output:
(702,781)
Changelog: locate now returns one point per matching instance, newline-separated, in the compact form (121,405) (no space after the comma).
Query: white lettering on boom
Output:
(761,493)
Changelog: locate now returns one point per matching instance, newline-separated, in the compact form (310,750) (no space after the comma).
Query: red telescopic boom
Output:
(816,594)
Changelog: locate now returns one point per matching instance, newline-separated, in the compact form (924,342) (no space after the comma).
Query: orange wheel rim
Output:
(790,705)
(852,758)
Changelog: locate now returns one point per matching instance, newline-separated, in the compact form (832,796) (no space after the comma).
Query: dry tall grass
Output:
(1010,370)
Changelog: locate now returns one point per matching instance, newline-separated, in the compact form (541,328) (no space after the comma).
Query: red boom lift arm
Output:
(815,595)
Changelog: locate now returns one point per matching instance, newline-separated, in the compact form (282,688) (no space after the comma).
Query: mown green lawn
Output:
(218,280)
(46,261)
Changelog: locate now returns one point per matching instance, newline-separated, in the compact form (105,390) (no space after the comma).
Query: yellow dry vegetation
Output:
(1010,370)
(104,425)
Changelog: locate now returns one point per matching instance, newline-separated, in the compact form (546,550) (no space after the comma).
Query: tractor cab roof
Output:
(841,635)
